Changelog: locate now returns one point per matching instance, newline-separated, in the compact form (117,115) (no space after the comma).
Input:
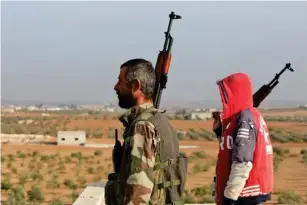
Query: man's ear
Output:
(136,85)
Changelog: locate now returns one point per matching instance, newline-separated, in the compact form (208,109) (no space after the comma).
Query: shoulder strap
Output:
(145,115)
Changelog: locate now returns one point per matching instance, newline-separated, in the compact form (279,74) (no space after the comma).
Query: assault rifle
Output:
(265,90)
(164,61)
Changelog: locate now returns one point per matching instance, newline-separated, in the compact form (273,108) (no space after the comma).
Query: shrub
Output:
(289,197)
(11,158)
(280,151)
(193,134)
(70,184)
(181,135)
(199,168)
(35,195)
(67,159)
(5,185)
(304,153)
(203,194)
(45,158)
(77,155)
(90,170)
(111,132)
(16,197)
(192,158)
(98,133)
(56,202)
(20,154)
(74,196)
(35,153)
(279,155)
(200,155)
(36,176)
(304,150)
(14,170)
(53,183)
(98,152)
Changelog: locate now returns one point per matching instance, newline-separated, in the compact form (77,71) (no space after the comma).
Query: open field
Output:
(63,171)
(100,126)
(285,113)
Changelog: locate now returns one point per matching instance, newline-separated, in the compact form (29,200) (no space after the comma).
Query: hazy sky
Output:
(60,51)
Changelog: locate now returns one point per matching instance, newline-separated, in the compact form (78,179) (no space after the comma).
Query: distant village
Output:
(185,113)
(191,114)
(60,107)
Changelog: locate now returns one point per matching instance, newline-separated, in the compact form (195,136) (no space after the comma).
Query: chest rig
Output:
(171,163)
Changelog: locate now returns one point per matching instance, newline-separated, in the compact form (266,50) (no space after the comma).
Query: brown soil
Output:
(291,176)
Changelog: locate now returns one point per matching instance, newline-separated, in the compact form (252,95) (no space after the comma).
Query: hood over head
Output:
(236,94)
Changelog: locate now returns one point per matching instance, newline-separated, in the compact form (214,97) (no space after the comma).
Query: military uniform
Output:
(152,171)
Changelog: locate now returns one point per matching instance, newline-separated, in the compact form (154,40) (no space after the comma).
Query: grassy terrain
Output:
(103,125)
(54,175)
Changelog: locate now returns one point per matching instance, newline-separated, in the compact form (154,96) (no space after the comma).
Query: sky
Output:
(71,51)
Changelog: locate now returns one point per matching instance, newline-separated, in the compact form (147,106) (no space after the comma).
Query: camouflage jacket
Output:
(140,147)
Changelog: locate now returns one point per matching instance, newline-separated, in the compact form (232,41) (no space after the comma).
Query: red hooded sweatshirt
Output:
(245,139)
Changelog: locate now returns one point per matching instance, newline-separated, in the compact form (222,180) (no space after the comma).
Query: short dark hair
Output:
(142,70)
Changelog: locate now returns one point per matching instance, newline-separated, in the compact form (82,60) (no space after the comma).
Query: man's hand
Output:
(228,201)
(217,127)
(216,120)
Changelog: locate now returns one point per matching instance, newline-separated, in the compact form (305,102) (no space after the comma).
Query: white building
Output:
(7,110)
(54,109)
(199,116)
(71,138)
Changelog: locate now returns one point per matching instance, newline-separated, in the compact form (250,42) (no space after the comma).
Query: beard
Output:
(126,101)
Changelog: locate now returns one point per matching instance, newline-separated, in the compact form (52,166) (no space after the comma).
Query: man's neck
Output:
(134,111)
(142,101)
(139,107)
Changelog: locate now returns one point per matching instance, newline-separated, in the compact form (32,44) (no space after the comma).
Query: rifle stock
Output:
(164,61)
(261,94)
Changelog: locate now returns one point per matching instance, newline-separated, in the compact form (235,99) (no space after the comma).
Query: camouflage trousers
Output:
(113,193)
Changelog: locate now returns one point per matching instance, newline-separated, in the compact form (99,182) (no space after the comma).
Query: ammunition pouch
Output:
(174,179)
(113,195)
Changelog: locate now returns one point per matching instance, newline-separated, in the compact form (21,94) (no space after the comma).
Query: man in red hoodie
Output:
(244,171)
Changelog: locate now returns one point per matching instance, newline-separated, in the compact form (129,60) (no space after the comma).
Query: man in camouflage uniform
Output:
(141,176)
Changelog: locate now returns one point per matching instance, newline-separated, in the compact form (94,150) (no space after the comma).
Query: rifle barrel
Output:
(274,81)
